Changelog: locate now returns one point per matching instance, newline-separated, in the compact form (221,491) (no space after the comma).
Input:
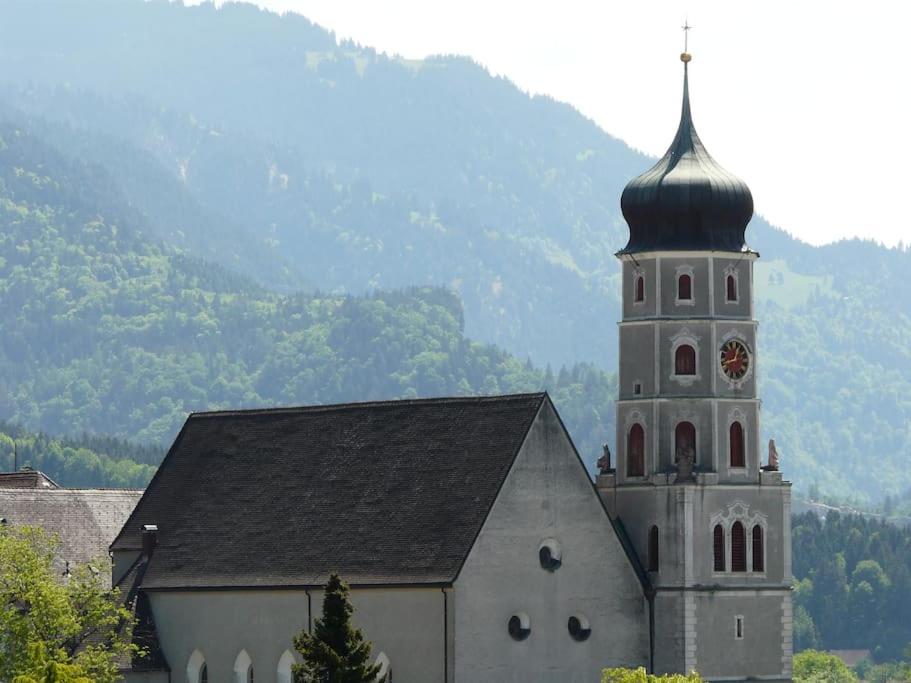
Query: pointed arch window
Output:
(758,557)
(685,287)
(197,671)
(685,360)
(639,295)
(243,668)
(284,667)
(738,548)
(731,287)
(718,548)
(635,451)
(653,561)
(736,445)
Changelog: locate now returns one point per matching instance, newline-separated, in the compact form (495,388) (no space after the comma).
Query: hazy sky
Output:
(807,101)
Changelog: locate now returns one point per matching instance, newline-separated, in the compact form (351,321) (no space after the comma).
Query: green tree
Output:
(54,631)
(640,676)
(335,652)
(812,666)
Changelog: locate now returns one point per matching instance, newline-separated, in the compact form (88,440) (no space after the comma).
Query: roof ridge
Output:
(319,407)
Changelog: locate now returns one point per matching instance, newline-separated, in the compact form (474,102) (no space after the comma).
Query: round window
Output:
(519,626)
(579,628)
(550,554)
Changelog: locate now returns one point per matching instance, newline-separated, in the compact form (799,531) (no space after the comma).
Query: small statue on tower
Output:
(603,463)
(773,458)
(686,462)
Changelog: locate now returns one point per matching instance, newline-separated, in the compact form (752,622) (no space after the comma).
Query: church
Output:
(476,544)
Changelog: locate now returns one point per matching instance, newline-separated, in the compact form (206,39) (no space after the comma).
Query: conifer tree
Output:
(335,652)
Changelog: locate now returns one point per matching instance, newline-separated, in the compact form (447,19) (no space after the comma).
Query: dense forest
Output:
(308,165)
(852,585)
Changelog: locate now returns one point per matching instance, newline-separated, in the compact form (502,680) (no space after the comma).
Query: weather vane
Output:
(686,56)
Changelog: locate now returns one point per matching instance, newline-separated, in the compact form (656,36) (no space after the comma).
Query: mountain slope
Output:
(107,331)
(305,164)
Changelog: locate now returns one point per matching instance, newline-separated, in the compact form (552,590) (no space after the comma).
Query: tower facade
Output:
(711,524)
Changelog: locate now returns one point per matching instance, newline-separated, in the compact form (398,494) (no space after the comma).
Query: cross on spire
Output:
(686,34)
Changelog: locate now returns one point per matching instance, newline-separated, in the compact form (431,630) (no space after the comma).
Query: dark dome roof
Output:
(686,201)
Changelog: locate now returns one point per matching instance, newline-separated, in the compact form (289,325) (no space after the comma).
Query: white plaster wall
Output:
(407,624)
(547,494)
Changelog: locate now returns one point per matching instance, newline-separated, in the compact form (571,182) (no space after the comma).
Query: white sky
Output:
(807,101)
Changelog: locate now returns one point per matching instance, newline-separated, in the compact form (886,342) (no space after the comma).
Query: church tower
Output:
(710,523)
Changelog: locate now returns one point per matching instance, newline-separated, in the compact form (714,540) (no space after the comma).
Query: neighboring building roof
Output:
(851,658)
(385,493)
(85,520)
(686,201)
(26,479)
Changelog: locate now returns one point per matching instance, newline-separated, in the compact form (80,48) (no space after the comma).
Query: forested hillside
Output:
(307,165)
(853,585)
(108,332)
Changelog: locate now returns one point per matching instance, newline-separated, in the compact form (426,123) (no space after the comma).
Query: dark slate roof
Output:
(384,493)
(26,479)
(686,201)
(85,520)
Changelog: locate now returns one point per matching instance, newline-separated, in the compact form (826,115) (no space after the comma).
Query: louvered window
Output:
(758,557)
(738,548)
(718,545)
(684,288)
(685,360)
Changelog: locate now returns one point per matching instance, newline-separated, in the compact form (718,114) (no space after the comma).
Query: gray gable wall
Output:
(547,494)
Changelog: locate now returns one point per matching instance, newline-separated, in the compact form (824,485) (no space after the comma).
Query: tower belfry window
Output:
(653,561)
(758,557)
(639,296)
(737,458)
(685,360)
(731,287)
(685,287)
(738,548)
(635,451)
(718,548)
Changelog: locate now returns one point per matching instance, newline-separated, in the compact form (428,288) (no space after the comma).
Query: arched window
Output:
(718,547)
(653,549)
(758,558)
(685,360)
(684,437)
(640,289)
(243,668)
(736,445)
(738,548)
(635,451)
(284,667)
(196,668)
(684,287)
(731,287)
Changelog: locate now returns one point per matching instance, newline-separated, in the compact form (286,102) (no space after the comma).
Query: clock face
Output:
(735,359)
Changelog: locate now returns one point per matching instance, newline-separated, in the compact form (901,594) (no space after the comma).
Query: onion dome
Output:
(686,201)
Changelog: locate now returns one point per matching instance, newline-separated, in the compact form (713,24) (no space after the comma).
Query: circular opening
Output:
(579,628)
(519,626)
(550,555)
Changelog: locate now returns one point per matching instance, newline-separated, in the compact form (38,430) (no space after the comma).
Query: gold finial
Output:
(685,56)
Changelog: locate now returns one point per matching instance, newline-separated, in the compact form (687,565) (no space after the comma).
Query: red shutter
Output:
(736,445)
(718,544)
(758,559)
(685,360)
(738,548)
(684,288)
